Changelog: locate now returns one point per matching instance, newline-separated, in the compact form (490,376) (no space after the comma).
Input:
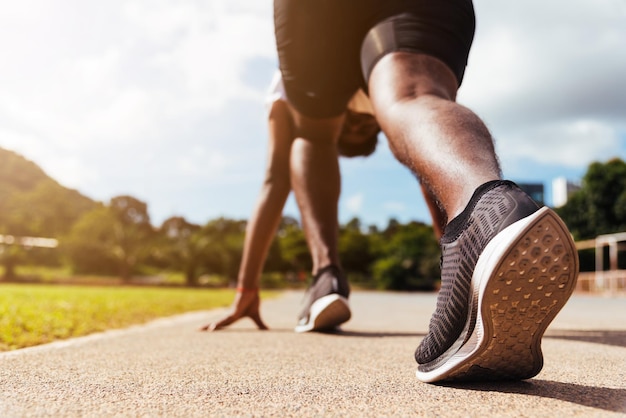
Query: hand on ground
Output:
(246,304)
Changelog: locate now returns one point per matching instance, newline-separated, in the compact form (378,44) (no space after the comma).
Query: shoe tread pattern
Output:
(489,217)
(530,286)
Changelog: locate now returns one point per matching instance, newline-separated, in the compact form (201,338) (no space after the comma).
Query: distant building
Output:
(562,189)
(534,190)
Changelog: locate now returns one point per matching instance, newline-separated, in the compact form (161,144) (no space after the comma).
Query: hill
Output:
(33,203)
(17,174)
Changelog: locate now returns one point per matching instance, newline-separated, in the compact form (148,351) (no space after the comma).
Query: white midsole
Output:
(485,266)
(318,307)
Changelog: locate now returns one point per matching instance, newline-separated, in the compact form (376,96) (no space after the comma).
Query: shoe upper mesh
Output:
(494,210)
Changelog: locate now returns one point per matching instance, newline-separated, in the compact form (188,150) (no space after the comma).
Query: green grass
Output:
(37,314)
(56,275)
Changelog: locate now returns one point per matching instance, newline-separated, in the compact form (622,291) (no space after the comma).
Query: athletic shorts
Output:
(327,48)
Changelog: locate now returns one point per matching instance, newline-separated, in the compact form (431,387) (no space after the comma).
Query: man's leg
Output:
(315,180)
(508,267)
(436,213)
(446,144)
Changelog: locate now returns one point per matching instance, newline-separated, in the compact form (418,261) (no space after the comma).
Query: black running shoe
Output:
(508,267)
(326,302)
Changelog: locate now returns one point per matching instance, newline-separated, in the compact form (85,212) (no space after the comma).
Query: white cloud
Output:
(154,97)
(394,207)
(73,172)
(201,163)
(107,82)
(205,46)
(570,144)
(535,61)
(354,203)
(548,79)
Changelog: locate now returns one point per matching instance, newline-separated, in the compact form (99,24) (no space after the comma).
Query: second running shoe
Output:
(508,268)
(325,302)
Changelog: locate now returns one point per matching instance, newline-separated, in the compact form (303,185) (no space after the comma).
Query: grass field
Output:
(36,314)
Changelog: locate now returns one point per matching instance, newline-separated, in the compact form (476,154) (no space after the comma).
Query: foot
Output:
(508,267)
(326,302)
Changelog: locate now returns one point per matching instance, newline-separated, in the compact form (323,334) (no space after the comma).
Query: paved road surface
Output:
(167,369)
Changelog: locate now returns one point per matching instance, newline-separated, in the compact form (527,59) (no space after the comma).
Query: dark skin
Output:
(246,305)
(266,216)
(358,129)
(443,143)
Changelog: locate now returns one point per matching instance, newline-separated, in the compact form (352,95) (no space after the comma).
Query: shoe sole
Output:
(326,313)
(523,278)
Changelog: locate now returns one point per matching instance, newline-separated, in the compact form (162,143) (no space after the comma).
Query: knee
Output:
(402,76)
(316,132)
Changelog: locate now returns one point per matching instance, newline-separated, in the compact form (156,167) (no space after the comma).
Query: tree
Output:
(409,258)
(355,251)
(224,246)
(10,256)
(185,246)
(89,245)
(599,207)
(293,245)
(132,233)
(116,235)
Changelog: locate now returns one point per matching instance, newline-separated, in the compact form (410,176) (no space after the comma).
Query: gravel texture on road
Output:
(168,369)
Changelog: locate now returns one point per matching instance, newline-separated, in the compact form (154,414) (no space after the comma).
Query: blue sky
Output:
(164,99)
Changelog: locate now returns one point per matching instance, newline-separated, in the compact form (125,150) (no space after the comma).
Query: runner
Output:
(508,266)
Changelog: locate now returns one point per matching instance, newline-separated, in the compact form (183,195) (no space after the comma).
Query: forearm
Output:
(260,232)
(266,217)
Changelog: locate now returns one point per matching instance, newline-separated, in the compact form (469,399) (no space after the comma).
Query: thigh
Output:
(318,55)
(327,48)
(443,29)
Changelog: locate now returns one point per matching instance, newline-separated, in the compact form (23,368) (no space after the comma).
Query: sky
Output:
(164,100)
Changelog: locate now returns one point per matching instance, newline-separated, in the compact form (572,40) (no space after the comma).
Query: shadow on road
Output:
(376,334)
(613,337)
(339,333)
(607,399)
(607,337)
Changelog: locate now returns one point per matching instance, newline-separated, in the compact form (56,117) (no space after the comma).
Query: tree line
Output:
(118,238)
(598,208)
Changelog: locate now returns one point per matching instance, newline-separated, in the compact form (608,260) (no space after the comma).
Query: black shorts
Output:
(320,44)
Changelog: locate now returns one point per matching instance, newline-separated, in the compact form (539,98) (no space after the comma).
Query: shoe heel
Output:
(533,280)
(326,313)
